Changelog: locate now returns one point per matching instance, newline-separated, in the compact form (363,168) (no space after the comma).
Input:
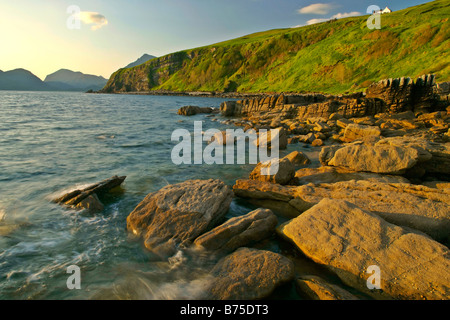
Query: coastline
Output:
(365,209)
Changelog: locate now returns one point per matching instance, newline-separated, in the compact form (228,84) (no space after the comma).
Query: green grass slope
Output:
(331,57)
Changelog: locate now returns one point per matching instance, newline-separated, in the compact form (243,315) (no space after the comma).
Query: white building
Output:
(385,10)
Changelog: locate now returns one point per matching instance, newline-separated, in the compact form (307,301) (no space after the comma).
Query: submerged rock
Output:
(348,240)
(239,231)
(177,214)
(249,274)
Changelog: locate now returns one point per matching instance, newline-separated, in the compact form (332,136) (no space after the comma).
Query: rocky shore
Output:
(378,194)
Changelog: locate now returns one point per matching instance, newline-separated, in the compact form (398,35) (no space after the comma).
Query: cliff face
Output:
(385,96)
(146,76)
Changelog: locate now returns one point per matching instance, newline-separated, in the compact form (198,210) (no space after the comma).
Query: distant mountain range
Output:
(141,60)
(61,80)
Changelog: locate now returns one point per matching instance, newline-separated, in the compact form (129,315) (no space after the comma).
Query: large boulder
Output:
(414,206)
(349,240)
(249,274)
(279,171)
(239,231)
(177,214)
(385,159)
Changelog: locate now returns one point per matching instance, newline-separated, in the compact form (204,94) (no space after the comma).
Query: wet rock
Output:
(87,198)
(91,203)
(178,214)
(193,110)
(249,274)
(239,231)
(348,239)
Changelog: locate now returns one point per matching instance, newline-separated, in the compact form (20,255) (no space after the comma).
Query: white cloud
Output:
(346,15)
(95,19)
(336,16)
(317,8)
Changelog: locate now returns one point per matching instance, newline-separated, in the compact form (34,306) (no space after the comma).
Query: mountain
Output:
(75,81)
(336,56)
(21,79)
(141,60)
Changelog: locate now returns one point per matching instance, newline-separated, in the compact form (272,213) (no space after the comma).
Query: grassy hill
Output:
(331,57)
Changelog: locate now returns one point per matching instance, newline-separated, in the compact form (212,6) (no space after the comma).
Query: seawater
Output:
(51,142)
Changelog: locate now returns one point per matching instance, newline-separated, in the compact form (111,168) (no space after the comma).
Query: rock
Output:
(377,159)
(315,288)
(327,153)
(308,138)
(437,184)
(335,174)
(343,123)
(266,140)
(280,171)
(317,143)
(249,274)
(75,198)
(239,231)
(348,240)
(356,131)
(298,158)
(91,203)
(413,206)
(433,157)
(335,116)
(228,108)
(178,214)
(193,110)
(321,127)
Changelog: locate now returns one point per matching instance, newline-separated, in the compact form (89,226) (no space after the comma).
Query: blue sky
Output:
(35,36)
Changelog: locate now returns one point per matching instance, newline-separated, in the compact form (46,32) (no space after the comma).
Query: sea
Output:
(54,142)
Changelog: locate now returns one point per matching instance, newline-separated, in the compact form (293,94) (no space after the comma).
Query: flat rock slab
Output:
(177,214)
(385,159)
(239,231)
(415,206)
(348,240)
(249,274)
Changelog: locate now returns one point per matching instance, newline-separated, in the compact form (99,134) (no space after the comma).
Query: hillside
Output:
(331,57)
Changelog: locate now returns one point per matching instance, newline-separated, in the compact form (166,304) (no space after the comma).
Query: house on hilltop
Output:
(385,10)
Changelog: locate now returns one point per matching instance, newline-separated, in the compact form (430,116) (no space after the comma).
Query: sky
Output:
(100,36)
